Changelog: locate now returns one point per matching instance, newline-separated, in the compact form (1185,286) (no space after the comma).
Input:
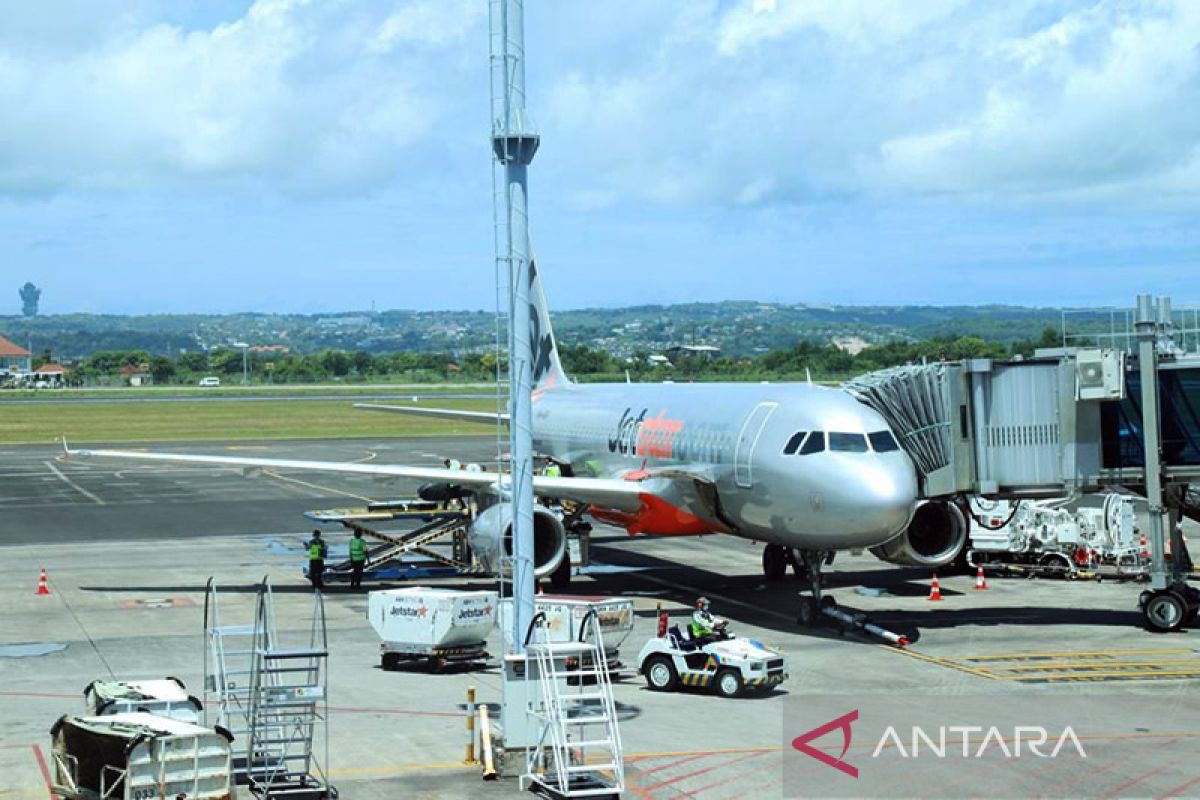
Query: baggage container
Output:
(565,613)
(139,756)
(166,697)
(437,625)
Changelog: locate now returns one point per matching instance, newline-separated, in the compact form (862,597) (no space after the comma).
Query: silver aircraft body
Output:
(807,470)
(790,464)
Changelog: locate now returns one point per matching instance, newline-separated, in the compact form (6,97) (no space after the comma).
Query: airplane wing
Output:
(487,417)
(610,493)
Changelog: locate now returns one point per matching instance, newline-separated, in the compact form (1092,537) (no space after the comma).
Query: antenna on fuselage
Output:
(627,377)
(808,375)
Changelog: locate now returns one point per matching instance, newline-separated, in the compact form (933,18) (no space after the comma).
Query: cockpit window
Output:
(847,442)
(815,443)
(793,443)
(883,441)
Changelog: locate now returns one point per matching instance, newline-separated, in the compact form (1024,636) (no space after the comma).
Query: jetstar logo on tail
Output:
(843,722)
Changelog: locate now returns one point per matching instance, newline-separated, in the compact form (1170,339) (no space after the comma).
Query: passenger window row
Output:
(807,442)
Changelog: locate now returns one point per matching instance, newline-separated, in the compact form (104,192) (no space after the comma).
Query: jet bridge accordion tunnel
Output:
(1065,422)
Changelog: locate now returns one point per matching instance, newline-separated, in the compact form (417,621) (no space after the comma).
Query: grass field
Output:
(35,423)
(259,390)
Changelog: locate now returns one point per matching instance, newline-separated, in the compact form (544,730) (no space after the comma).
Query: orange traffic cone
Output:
(935,590)
(43,584)
(980,580)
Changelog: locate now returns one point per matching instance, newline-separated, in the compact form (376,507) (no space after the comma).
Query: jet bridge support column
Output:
(1169,603)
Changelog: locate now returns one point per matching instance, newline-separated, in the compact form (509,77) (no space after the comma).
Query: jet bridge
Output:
(1066,422)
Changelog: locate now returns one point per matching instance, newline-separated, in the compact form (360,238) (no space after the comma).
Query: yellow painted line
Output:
(1098,676)
(779,748)
(393,769)
(941,662)
(316,486)
(711,752)
(1082,654)
(1091,665)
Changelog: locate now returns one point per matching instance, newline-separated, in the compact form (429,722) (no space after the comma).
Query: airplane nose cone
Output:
(889,497)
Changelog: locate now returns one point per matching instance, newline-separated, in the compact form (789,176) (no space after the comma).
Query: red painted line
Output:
(48,695)
(41,759)
(674,762)
(710,786)
(704,771)
(758,788)
(1063,788)
(1134,781)
(1179,790)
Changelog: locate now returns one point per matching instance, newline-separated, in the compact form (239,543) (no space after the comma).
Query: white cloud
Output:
(807,100)
(429,22)
(680,102)
(292,93)
(867,24)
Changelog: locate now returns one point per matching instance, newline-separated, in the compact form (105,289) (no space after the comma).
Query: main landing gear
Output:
(1169,609)
(775,561)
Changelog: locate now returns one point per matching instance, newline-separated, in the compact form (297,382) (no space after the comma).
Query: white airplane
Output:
(806,470)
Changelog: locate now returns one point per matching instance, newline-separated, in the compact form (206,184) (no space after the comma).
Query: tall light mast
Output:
(514,143)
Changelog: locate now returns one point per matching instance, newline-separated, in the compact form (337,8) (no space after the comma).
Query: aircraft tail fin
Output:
(547,369)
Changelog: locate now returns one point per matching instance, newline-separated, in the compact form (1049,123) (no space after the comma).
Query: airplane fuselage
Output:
(792,464)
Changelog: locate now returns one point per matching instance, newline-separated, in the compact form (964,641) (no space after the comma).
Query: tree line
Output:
(820,360)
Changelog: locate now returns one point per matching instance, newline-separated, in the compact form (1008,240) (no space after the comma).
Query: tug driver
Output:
(704,625)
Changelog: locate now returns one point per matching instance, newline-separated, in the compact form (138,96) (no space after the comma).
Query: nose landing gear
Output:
(810,564)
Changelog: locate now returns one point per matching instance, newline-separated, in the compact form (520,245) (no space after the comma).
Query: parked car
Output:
(211,380)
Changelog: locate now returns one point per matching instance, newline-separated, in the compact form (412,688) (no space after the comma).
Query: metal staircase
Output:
(578,752)
(272,698)
(227,666)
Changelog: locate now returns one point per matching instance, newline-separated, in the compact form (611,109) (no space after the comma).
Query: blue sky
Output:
(282,155)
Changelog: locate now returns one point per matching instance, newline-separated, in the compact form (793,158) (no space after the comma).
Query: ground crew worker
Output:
(358,559)
(317,550)
(553,470)
(704,625)
(454,489)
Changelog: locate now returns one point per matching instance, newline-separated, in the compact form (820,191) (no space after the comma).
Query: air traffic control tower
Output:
(1116,408)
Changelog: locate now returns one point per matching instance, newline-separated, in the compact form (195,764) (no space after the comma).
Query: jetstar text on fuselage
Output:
(639,436)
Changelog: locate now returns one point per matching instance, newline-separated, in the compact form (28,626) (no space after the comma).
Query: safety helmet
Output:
(702,602)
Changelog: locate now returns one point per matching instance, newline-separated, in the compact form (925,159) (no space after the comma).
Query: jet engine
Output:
(492,530)
(936,535)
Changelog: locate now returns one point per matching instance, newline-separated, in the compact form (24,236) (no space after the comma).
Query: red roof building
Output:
(13,357)
(136,374)
(50,369)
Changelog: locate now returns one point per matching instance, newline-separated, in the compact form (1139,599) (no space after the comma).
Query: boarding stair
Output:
(578,751)
(227,668)
(273,699)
